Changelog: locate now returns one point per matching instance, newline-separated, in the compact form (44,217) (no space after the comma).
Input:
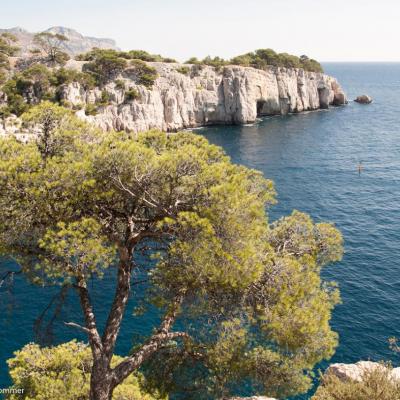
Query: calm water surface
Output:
(313,159)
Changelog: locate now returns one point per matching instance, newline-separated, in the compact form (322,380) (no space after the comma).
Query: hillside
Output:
(76,44)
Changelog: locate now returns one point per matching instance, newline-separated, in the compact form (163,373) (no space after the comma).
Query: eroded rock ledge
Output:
(204,96)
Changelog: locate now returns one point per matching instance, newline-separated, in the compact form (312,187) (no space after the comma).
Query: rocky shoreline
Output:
(199,96)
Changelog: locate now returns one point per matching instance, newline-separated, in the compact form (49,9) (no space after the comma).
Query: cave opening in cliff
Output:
(260,107)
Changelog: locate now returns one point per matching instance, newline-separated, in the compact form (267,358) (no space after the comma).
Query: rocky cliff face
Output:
(205,96)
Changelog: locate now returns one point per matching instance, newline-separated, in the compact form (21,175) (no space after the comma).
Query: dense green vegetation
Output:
(183,70)
(63,373)
(127,55)
(376,384)
(261,59)
(146,74)
(39,83)
(105,65)
(251,305)
(7,50)
(131,94)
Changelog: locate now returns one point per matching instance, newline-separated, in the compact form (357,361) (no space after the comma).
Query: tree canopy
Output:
(240,300)
(261,59)
(51,46)
(63,372)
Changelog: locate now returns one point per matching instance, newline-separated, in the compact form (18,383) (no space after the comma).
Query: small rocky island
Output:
(364,99)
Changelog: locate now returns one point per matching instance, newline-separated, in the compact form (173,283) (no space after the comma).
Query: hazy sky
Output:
(336,30)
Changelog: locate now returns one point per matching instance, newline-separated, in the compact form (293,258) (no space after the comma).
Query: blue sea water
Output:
(313,159)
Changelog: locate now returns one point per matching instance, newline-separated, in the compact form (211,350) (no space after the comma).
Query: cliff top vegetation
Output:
(259,59)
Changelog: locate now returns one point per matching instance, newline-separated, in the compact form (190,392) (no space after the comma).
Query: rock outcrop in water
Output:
(205,96)
(364,99)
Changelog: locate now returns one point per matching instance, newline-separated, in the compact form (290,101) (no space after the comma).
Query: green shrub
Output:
(64,76)
(77,107)
(4,111)
(120,84)
(66,104)
(96,53)
(183,70)
(147,80)
(142,67)
(3,77)
(311,65)
(61,58)
(169,60)
(146,74)
(15,101)
(90,109)
(105,65)
(105,99)
(216,62)
(131,94)
(192,60)
(245,60)
(376,384)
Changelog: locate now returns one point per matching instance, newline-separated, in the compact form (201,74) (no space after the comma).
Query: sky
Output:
(336,30)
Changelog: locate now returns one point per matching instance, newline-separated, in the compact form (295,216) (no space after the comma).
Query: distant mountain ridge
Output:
(76,44)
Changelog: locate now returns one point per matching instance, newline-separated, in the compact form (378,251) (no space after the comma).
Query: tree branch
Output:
(121,297)
(170,317)
(8,274)
(77,326)
(87,308)
(130,364)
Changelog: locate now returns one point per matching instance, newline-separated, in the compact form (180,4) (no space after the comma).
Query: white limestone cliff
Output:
(205,96)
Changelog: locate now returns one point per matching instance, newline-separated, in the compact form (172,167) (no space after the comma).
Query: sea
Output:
(313,159)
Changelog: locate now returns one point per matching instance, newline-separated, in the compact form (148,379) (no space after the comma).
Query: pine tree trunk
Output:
(101,387)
